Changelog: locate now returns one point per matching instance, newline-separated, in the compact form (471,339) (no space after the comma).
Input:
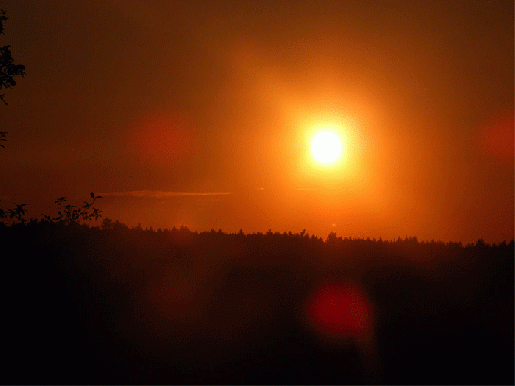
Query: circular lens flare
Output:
(340,311)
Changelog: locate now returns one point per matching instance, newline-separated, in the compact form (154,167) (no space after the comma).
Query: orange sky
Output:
(200,113)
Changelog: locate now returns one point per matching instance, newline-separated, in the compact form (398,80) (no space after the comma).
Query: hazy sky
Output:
(200,113)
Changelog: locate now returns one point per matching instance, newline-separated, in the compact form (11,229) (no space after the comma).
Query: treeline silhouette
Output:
(118,304)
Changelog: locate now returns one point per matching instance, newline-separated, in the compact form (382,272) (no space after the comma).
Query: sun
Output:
(326,147)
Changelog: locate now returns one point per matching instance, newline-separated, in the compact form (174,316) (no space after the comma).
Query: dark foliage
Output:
(128,305)
(69,214)
(8,69)
(3,134)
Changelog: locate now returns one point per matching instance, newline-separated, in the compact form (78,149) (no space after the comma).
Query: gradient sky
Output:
(200,113)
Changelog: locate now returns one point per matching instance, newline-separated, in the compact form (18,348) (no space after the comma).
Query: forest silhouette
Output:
(119,304)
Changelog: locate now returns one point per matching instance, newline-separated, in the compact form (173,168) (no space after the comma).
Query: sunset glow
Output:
(267,115)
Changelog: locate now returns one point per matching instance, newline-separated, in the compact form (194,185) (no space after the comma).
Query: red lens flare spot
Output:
(162,137)
(340,311)
(497,137)
(175,301)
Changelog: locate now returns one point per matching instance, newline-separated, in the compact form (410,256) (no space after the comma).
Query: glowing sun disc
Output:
(326,147)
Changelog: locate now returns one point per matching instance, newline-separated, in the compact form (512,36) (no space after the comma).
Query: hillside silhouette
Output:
(114,304)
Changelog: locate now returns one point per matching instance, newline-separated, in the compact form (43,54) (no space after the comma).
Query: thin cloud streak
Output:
(161,194)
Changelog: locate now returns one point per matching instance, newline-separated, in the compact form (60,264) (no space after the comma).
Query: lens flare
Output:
(340,311)
(497,137)
(162,138)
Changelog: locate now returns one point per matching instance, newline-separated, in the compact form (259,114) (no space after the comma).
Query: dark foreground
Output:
(116,306)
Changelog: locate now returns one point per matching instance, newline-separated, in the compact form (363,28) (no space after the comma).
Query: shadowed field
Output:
(84,305)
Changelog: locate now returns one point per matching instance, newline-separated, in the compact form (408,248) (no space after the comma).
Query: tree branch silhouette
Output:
(8,69)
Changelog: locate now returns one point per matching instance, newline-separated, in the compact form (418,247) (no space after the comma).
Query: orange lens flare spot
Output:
(340,311)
